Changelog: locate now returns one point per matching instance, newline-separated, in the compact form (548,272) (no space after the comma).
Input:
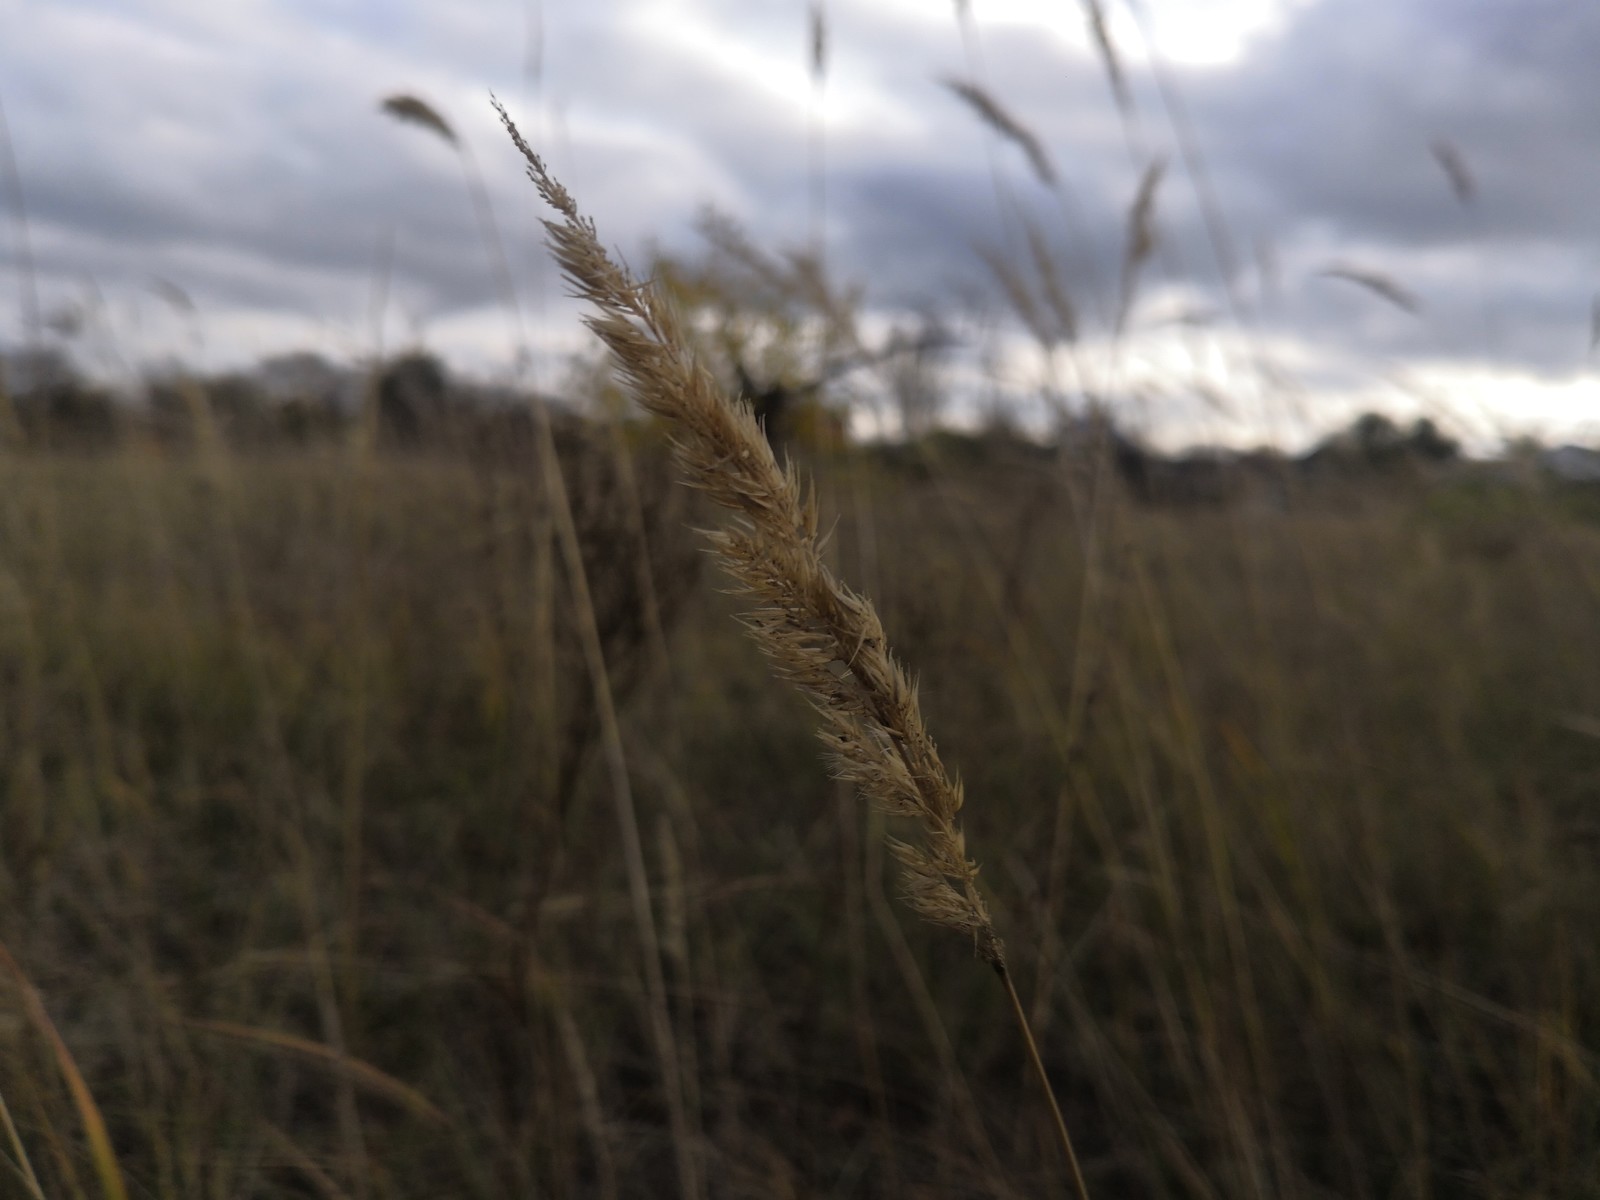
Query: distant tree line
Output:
(411,404)
(1372,447)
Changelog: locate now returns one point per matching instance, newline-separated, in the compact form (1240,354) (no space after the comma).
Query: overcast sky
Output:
(235,150)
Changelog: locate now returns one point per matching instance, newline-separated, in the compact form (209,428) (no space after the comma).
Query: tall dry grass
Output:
(1296,872)
(822,637)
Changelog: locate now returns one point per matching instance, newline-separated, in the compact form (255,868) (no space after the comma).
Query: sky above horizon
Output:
(1438,158)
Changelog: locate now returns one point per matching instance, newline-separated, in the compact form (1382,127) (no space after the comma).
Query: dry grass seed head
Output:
(416,111)
(1095,13)
(1378,284)
(994,115)
(819,634)
(1454,165)
(1142,217)
(1050,283)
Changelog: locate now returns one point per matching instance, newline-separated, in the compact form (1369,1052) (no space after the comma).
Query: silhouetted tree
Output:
(1375,442)
(413,401)
(55,406)
(1426,442)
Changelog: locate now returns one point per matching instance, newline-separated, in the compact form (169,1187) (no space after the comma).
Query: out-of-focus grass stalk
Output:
(101,1153)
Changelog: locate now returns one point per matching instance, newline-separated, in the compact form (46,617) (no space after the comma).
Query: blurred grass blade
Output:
(94,1126)
(1095,13)
(1142,236)
(303,1162)
(997,118)
(1050,282)
(819,42)
(1454,165)
(1579,723)
(374,1080)
(419,112)
(172,294)
(1379,285)
(1142,216)
(23,1166)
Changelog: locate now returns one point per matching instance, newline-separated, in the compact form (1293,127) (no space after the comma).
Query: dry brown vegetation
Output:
(1287,816)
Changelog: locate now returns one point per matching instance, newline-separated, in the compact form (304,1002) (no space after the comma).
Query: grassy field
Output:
(1287,814)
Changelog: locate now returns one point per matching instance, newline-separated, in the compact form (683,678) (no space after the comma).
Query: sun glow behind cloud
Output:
(1210,33)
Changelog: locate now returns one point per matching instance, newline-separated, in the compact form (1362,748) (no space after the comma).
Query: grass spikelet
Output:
(992,114)
(820,635)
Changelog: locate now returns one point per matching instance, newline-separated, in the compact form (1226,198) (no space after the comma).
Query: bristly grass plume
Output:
(818,633)
(821,636)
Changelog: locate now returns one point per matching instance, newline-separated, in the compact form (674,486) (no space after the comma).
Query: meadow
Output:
(311,883)
(393,807)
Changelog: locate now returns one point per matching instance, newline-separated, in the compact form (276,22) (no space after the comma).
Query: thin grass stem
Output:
(1026,1029)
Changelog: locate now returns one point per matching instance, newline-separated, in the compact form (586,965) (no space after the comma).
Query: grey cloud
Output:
(242,154)
(1333,120)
